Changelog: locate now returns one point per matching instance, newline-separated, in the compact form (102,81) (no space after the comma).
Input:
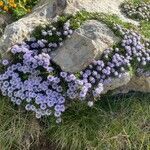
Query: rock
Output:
(99,33)
(2,21)
(104,6)
(46,10)
(137,83)
(76,54)
(5,19)
(117,82)
(18,31)
(86,44)
(21,29)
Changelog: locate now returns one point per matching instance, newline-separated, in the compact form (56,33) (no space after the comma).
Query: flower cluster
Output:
(17,8)
(35,81)
(50,38)
(115,62)
(8,5)
(135,49)
(142,72)
(139,11)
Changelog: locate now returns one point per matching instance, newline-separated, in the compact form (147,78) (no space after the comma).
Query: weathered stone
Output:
(137,83)
(87,43)
(99,33)
(18,31)
(76,54)
(117,82)
(104,6)
(21,29)
(5,19)
(48,9)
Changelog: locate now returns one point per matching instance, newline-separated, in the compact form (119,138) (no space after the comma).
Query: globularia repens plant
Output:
(139,11)
(34,81)
(18,8)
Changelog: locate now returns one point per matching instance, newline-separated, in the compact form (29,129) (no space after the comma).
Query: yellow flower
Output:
(1,3)
(14,5)
(11,4)
(5,8)
(11,1)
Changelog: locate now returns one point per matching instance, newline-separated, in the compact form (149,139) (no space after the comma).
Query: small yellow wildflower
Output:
(14,5)
(1,3)
(11,1)
(5,8)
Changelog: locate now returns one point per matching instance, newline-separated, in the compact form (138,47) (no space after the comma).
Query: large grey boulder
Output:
(127,83)
(86,44)
(76,54)
(99,33)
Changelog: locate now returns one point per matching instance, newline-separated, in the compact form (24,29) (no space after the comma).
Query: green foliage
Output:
(18,13)
(24,7)
(145,29)
(118,122)
(17,8)
(137,1)
(82,16)
(16,127)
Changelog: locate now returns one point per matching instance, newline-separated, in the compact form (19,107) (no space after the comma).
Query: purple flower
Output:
(5,62)
(63,74)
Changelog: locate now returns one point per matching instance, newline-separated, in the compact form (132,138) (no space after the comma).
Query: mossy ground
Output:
(119,122)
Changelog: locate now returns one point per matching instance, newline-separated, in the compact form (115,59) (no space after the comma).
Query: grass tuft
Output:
(145,29)
(114,123)
(18,131)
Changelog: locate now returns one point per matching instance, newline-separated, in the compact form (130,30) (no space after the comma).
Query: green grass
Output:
(114,123)
(18,130)
(145,29)
(120,122)
(138,1)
